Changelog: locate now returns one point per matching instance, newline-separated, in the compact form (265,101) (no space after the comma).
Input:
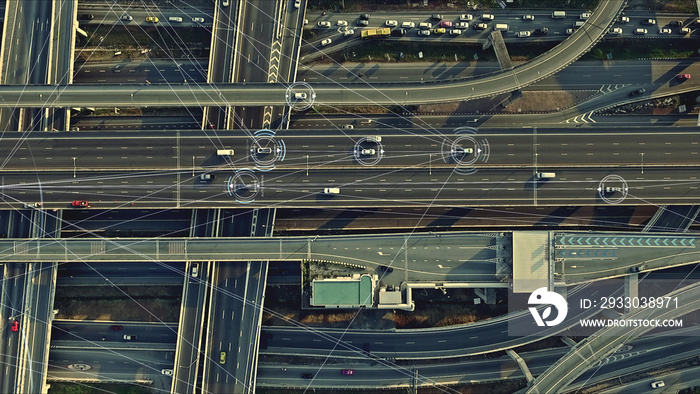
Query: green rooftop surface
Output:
(343,292)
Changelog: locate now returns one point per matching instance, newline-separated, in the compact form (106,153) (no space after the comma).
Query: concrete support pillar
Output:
(521,364)
(631,287)
(488,295)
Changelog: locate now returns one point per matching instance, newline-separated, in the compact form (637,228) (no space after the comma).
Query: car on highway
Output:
(127,18)
(637,92)
(32,205)
(80,203)
(300,96)
(455,32)
(423,32)
(612,189)
(649,21)
(624,19)
(658,384)
(348,32)
(391,23)
(408,25)
(167,372)
(325,24)
(197,19)
(683,77)
(297,3)
(129,337)
(207,177)
(116,328)
(440,30)
(436,17)
(398,32)
(195,270)
(365,16)
(584,16)
(224,3)
(684,30)
(386,269)
(462,25)
(541,31)
(362,22)
(640,32)
(523,34)
(152,19)
(307,375)
(331,190)
(426,26)
(368,152)
(86,17)
(347,127)
(325,42)
(175,19)
(466,18)
(638,268)
(528,17)
(676,23)
(445,24)
(222,358)
(14,326)
(569,32)
(341,23)
(458,150)
(616,30)
(480,26)
(347,372)
(664,30)
(487,17)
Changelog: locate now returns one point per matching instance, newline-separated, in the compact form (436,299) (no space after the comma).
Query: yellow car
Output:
(153,19)
(439,30)
(222,358)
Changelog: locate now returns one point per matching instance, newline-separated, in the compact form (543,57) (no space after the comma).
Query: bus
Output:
(385,31)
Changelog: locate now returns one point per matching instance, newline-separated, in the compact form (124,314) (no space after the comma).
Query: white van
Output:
(546,175)
(559,14)
(426,26)
(578,24)
(195,270)
(224,152)
(175,19)
(374,138)
(501,27)
(331,190)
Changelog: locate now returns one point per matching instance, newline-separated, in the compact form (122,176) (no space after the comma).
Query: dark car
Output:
(638,268)
(365,16)
(648,21)
(638,92)
(86,17)
(307,375)
(386,269)
(116,328)
(436,17)
(398,32)
(348,372)
(676,23)
(541,31)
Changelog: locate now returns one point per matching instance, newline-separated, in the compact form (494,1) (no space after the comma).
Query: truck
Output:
(224,152)
(383,32)
(559,14)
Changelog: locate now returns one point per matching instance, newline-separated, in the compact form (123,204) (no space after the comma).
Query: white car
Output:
(368,152)
(640,32)
(297,3)
(348,32)
(523,34)
(624,19)
(408,25)
(462,25)
(300,96)
(528,17)
(684,30)
(658,384)
(466,17)
(391,23)
(324,24)
(167,372)
(569,31)
(198,20)
(616,30)
(341,23)
(455,32)
(585,16)
(423,32)
(665,30)
(487,17)
(224,3)
(325,42)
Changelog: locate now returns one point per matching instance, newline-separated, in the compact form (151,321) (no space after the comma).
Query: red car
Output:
(80,203)
(445,24)
(15,326)
(348,372)
(116,328)
(683,77)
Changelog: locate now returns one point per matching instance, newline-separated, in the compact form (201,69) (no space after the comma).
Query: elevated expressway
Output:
(326,94)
